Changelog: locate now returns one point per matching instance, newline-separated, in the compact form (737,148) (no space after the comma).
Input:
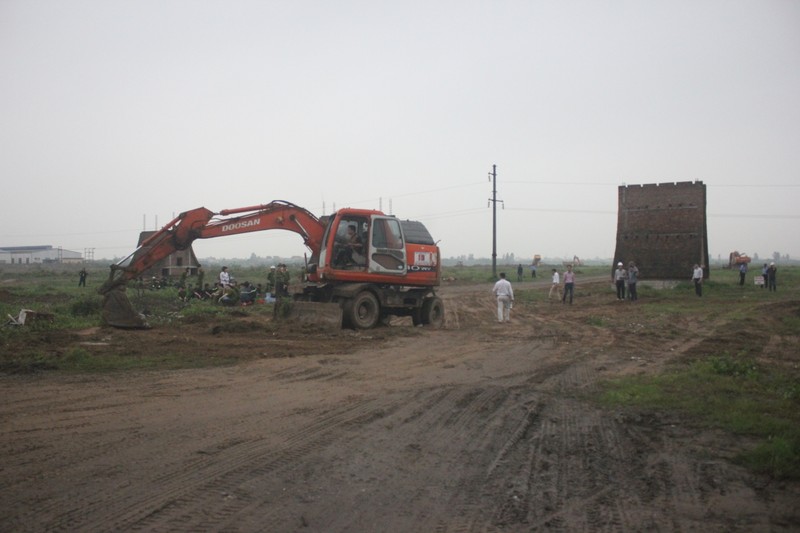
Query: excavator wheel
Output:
(433,312)
(363,311)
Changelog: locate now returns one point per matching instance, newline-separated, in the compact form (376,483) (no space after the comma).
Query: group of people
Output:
(278,281)
(229,293)
(626,279)
(569,285)
(769,275)
(225,290)
(504,292)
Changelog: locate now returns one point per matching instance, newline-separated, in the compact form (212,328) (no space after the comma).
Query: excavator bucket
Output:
(118,311)
(324,315)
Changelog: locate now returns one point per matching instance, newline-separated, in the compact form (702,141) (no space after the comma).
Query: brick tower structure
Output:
(662,228)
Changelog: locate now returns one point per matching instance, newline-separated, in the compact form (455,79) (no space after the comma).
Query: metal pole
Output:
(494,221)
(493,200)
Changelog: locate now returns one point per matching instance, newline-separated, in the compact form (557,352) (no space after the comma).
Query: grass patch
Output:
(731,392)
(790,325)
(597,321)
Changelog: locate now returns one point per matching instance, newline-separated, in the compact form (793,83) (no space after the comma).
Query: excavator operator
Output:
(352,250)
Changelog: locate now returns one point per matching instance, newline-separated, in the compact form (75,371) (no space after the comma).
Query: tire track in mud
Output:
(563,463)
(192,489)
(561,471)
(538,464)
(435,427)
(237,471)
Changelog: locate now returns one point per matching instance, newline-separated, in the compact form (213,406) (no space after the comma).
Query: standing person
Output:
(772,272)
(82,277)
(697,278)
(139,286)
(282,279)
(533,270)
(281,291)
(569,285)
(201,274)
(742,273)
(224,277)
(620,277)
(520,272)
(633,277)
(555,285)
(505,297)
(184,275)
(270,289)
(765,275)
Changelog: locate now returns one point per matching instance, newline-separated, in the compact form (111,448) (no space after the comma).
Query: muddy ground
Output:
(476,427)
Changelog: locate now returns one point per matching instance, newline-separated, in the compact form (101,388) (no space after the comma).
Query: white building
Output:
(37,255)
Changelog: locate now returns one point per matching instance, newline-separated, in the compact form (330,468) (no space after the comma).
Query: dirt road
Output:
(477,427)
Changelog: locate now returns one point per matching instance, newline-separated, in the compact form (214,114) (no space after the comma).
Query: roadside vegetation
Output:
(743,379)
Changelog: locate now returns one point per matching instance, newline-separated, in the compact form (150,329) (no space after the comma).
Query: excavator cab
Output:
(349,248)
(372,242)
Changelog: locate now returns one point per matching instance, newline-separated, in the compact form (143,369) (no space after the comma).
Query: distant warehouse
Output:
(37,255)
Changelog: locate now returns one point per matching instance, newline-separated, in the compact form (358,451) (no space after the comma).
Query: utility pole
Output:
(493,201)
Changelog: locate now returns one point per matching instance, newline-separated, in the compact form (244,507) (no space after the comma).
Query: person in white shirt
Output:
(697,278)
(224,277)
(555,286)
(505,296)
(620,278)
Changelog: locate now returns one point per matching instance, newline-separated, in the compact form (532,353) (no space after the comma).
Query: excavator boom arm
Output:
(275,215)
(202,223)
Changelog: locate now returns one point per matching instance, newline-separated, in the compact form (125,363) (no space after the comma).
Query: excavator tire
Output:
(363,311)
(433,312)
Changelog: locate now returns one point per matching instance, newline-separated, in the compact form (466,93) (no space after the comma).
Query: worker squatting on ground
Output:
(505,297)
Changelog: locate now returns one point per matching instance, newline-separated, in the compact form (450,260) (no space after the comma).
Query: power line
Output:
(551,210)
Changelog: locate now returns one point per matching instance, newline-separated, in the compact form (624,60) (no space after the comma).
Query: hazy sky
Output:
(117,115)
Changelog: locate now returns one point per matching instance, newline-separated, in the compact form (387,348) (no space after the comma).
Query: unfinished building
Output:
(662,228)
(171,266)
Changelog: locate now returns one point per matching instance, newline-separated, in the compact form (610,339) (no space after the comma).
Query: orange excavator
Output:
(371,265)
(735,259)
